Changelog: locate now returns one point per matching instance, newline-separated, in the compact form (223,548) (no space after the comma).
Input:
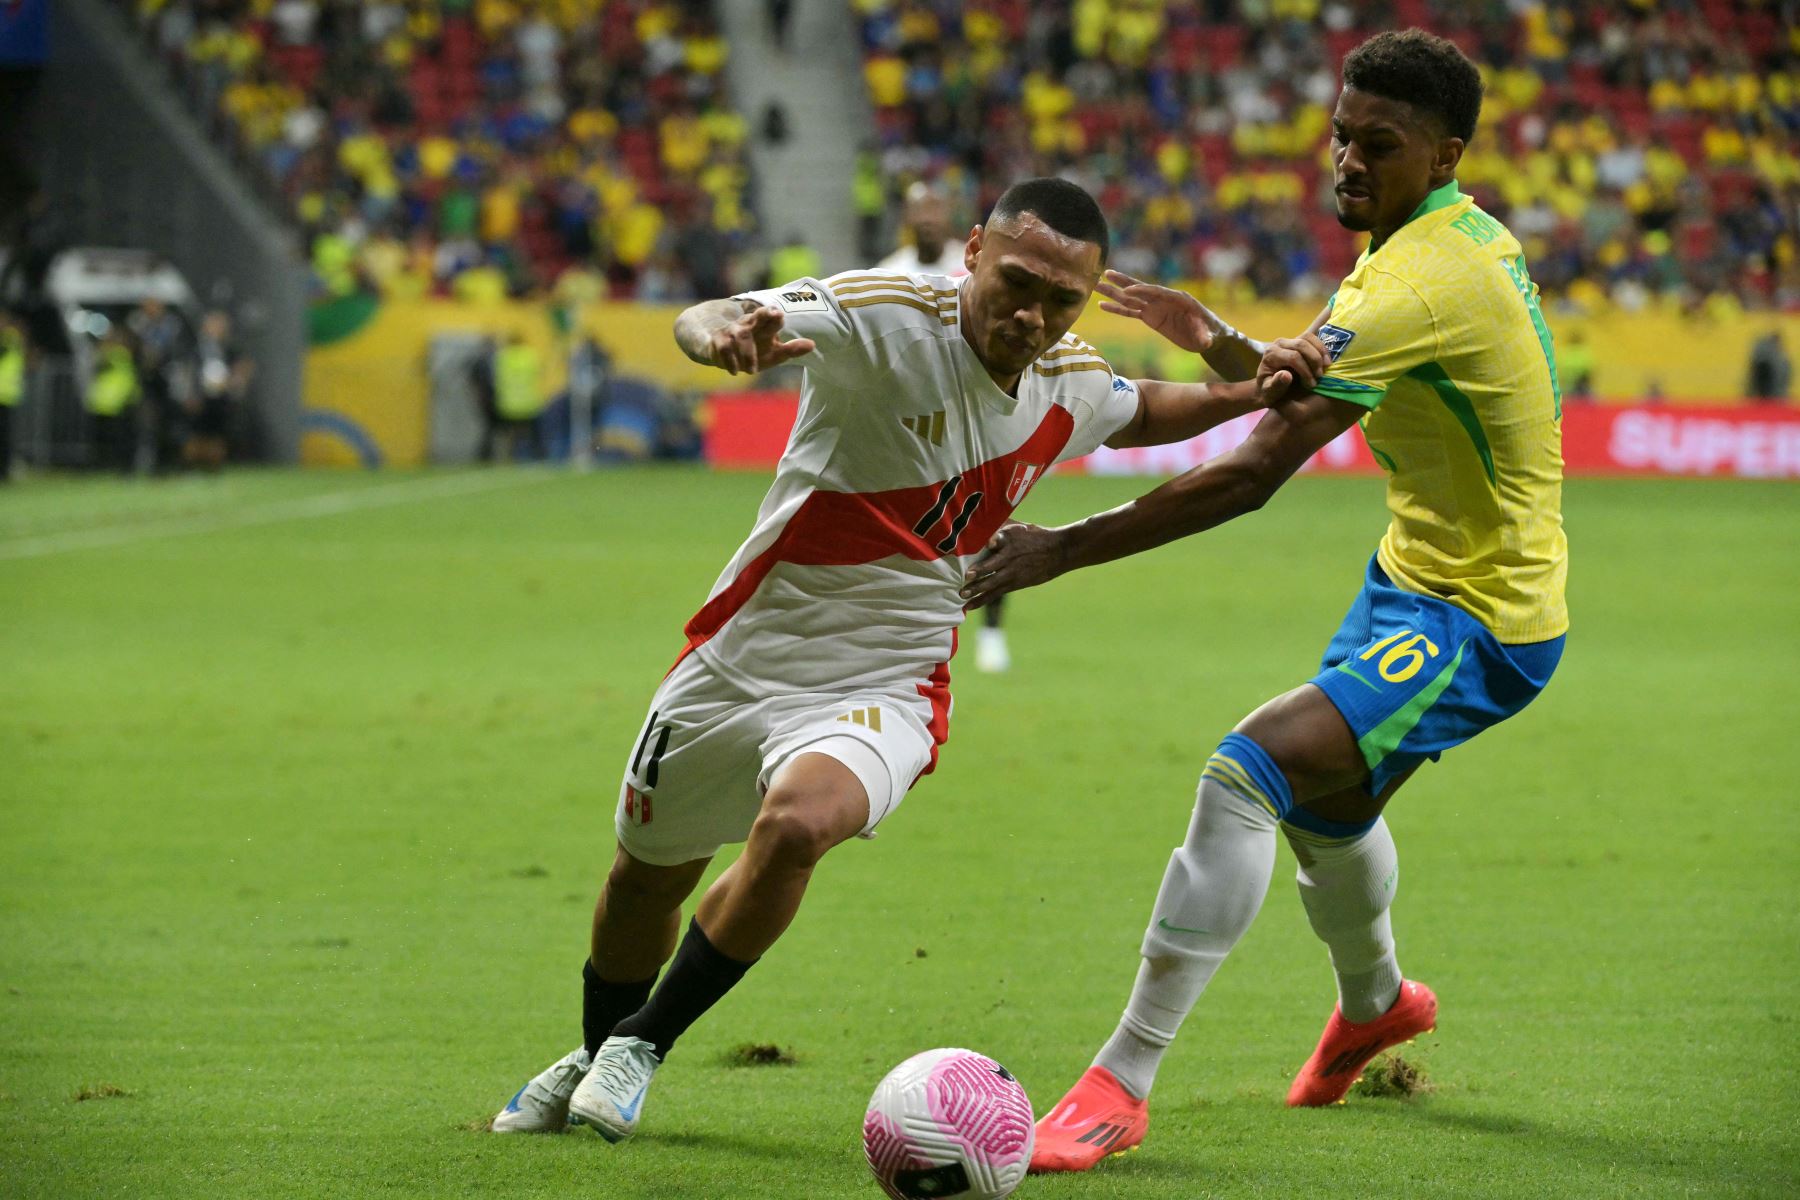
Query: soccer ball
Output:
(948,1123)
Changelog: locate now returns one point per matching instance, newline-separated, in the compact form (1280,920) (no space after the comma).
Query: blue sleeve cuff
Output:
(1349,389)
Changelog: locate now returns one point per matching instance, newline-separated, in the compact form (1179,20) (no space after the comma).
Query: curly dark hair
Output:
(1416,68)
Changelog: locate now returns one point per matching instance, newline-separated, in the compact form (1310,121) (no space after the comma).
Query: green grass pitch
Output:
(307,793)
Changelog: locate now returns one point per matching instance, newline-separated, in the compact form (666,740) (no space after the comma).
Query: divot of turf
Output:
(759,1054)
(477,1125)
(101,1091)
(1394,1077)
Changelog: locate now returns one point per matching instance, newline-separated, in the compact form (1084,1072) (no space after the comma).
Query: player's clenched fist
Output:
(752,343)
(1303,360)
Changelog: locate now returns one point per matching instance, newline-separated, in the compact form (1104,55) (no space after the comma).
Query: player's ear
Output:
(972,251)
(1449,154)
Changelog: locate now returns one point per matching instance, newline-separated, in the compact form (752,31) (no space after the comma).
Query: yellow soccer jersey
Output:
(1438,334)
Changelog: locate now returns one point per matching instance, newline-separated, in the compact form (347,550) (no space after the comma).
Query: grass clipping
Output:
(1393,1077)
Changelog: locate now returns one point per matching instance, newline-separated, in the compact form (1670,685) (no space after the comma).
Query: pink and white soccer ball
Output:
(948,1123)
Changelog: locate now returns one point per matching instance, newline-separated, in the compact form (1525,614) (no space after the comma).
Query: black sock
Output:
(697,979)
(604,1004)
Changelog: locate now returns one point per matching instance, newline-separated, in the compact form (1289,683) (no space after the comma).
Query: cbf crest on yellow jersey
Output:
(1438,334)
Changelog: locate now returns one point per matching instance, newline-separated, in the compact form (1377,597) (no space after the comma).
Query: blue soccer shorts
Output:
(1415,675)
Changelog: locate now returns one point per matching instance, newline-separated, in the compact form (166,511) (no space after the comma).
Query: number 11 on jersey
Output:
(945,497)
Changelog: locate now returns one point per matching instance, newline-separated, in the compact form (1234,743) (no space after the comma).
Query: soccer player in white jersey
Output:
(929,249)
(814,688)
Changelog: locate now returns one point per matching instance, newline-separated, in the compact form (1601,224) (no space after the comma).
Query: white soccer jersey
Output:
(904,461)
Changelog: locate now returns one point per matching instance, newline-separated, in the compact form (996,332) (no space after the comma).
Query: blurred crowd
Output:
(480,148)
(1647,153)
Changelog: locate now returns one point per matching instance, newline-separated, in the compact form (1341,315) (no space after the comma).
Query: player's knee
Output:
(1306,737)
(794,832)
(1243,768)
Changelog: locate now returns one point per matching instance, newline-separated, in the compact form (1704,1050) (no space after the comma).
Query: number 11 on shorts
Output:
(652,767)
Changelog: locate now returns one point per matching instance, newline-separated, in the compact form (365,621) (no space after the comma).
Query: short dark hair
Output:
(1427,72)
(1063,206)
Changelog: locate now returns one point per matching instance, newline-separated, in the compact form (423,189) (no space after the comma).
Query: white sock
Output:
(1215,883)
(1347,888)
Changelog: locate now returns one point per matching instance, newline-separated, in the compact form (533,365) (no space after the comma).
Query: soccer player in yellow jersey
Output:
(1434,343)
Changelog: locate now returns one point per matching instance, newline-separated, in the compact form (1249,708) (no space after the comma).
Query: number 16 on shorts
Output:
(1406,653)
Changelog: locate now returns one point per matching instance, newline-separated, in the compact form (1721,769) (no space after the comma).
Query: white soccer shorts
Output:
(706,753)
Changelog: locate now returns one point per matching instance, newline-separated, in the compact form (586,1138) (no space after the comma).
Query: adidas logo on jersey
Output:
(929,426)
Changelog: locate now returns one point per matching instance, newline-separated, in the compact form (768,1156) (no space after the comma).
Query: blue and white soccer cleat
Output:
(611,1097)
(542,1105)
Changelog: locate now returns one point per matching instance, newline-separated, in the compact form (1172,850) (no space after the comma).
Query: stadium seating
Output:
(1646,153)
(487,147)
(481,148)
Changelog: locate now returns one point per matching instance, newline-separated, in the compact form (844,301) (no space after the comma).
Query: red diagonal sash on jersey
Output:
(843,529)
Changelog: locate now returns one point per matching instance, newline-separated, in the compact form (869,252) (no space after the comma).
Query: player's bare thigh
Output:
(815,798)
(814,802)
(1310,741)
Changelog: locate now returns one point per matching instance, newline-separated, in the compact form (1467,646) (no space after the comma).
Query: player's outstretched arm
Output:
(1184,321)
(1175,412)
(1237,482)
(1189,324)
(737,336)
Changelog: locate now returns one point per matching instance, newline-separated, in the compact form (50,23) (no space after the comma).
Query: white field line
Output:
(329,504)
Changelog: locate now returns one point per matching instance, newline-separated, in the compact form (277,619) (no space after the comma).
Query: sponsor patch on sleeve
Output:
(802,300)
(1335,339)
